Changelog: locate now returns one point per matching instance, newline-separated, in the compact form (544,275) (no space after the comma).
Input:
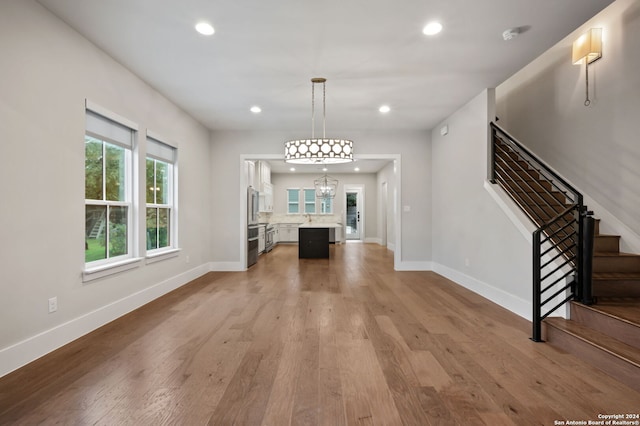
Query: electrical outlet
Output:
(186,258)
(466,262)
(53,304)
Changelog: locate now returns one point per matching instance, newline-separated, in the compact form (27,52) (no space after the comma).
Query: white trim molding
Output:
(407,265)
(373,240)
(28,350)
(506,300)
(226,267)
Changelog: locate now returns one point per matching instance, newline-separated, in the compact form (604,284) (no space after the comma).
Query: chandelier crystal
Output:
(318,150)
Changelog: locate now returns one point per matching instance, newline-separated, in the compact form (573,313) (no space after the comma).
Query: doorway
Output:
(354,211)
(383,211)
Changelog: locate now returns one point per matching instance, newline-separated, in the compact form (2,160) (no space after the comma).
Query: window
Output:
(108,188)
(309,200)
(160,217)
(305,201)
(293,200)
(326,205)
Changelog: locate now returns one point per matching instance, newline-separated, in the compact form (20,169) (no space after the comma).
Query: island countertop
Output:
(320,225)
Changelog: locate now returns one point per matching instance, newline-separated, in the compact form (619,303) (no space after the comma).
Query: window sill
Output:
(90,274)
(162,255)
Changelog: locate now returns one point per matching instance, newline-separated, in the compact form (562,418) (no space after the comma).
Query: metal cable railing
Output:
(563,240)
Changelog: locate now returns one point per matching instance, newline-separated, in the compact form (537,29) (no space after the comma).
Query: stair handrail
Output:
(578,277)
(497,129)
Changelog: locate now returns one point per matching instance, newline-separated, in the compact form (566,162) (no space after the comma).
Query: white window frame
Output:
(110,128)
(318,203)
(322,206)
(159,149)
(304,203)
(289,203)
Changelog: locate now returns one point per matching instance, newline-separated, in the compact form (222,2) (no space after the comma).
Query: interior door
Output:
(355,214)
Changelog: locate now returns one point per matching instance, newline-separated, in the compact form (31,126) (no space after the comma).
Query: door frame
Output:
(360,190)
(384,194)
(396,191)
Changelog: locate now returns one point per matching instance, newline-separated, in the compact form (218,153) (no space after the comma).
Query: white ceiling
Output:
(372,52)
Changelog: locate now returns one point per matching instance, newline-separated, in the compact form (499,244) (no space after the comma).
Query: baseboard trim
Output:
(508,301)
(391,246)
(404,265)
(373,240)
(226,267)
(28,350)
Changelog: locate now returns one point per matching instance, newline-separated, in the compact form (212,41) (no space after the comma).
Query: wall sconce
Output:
(587,48)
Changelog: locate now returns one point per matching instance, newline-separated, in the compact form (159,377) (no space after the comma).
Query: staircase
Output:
(615,274)
(607,333)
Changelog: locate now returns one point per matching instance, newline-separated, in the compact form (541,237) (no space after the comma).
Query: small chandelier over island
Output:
(326,187)
(318,150)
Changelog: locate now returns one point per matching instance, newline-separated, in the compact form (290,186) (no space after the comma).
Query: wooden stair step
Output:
(532,185)
(626,308)
(616,262)
(606,353)
(616,276)
(604,243)
(542,196)
(616,317)
(518,174)
(616,284)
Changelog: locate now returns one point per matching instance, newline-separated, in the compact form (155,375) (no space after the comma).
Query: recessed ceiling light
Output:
(324,169)
(256,109)
(357,169)
(384,109)
(293,169)
(432,28)
(204,28)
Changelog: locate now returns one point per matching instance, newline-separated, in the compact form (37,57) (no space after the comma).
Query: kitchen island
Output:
(313,239)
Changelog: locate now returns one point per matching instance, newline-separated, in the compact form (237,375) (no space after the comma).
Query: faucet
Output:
(308,215)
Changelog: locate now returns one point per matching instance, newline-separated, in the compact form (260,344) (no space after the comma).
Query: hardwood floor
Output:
(344,341)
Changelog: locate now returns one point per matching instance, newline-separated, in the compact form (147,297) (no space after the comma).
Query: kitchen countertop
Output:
(320,225)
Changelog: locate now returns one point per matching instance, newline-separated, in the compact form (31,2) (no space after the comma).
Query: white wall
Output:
(597,147)
(282,181)
(474,243)
(413,146)
(46,72)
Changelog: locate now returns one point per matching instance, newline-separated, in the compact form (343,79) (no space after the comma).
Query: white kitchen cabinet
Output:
(288,233)
(263,170)
(338,235)
(251,174)
(266,198)
(335,234)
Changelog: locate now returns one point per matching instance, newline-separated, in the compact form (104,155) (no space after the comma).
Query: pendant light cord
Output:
(313,109)
(324,109)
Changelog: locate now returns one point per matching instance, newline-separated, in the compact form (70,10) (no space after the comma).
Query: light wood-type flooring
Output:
(345,341)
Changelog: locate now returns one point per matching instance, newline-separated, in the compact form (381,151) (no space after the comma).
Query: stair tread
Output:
(615,254)
(597,339)
(616,275)
(625,308)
